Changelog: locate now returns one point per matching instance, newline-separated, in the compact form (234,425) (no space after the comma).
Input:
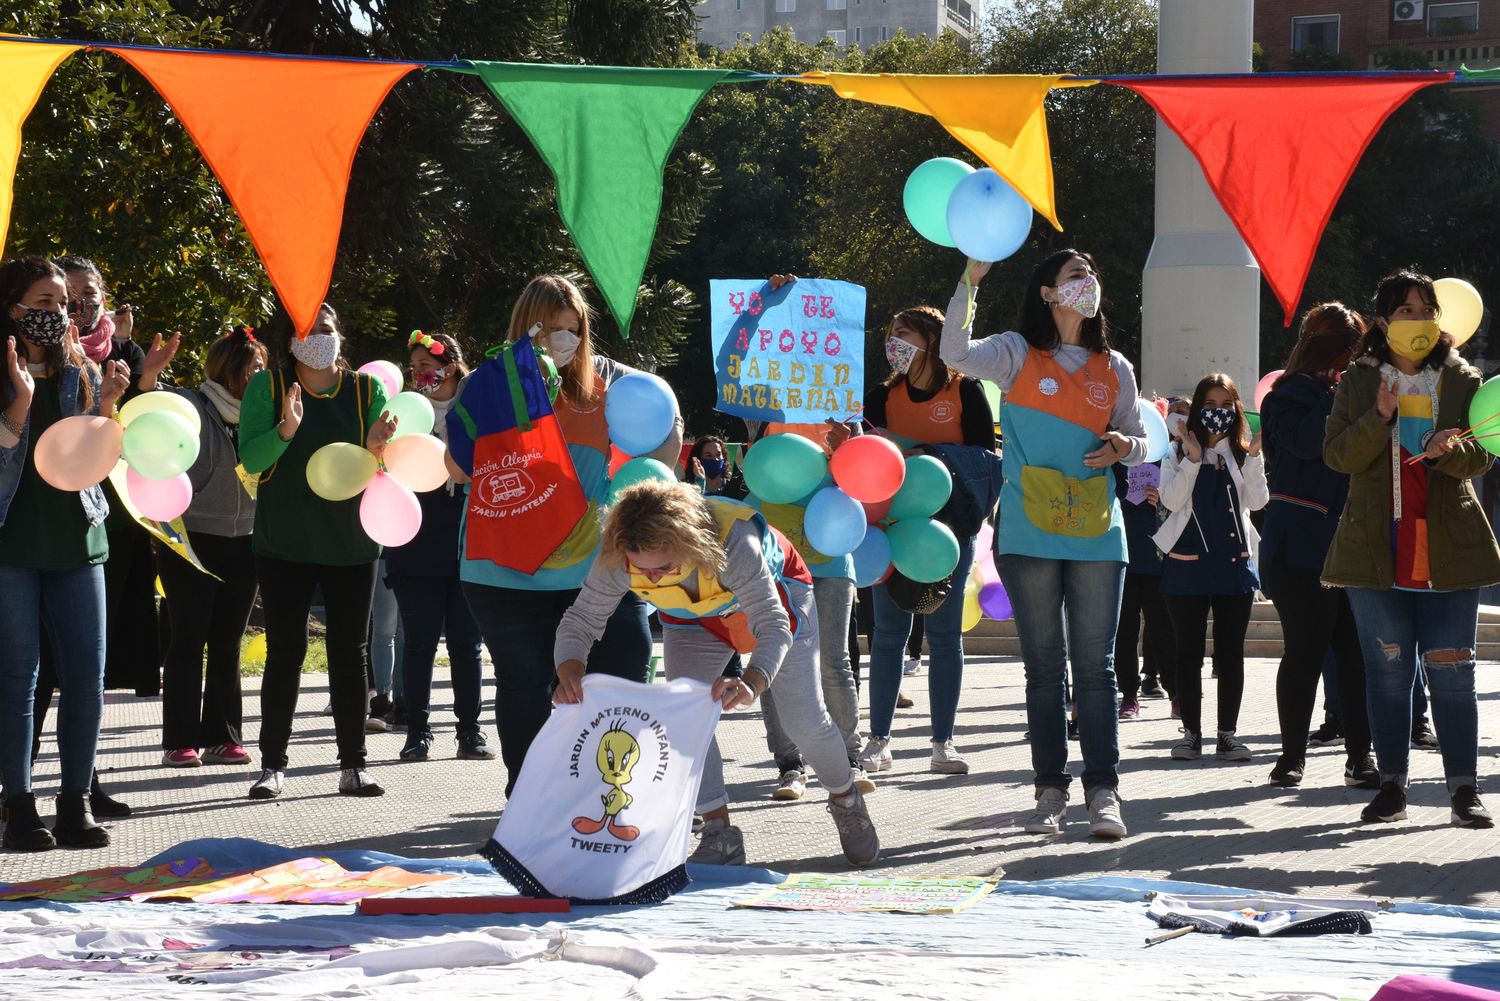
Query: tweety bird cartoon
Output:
(618,754)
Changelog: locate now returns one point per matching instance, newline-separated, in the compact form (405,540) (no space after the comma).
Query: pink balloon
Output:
(1263,388)
(159,500)
(994,602)
(78,452)
(388,374)
(868,468)
(389,511)
(984,553)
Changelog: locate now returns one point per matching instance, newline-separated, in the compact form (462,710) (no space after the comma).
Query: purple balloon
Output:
(994,602)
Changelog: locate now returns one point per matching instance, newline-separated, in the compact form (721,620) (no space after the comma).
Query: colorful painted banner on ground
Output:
(111,884)
(813,892)
(795,355)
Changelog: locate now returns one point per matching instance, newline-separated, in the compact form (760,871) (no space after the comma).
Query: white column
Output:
(1200,301)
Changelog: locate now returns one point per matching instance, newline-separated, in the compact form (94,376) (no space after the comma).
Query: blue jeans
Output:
(945,649)
(69,604)
(1088,592)
(387,641)
(520,627)
(1395,628)
(429,607)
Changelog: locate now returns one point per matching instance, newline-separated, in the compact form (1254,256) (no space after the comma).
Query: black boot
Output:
(24,830)
(75,827)
(103,804)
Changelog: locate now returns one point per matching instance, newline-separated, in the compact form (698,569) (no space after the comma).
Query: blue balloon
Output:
(987,219)
(641,411)
(1157,439)
(872,558)
(835,522)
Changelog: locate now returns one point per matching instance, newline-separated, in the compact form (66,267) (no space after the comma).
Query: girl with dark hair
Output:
(1413,546)
(52,549)
(923,402)
(303,541)
(1068,415)
(1210,482)
(1306,500)
(424,576)
(709,466)
(202,709)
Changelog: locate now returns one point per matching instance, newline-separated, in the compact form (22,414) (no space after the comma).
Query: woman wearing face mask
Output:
(518,613)
(52,547)
(708,466)
(1069,414)
(308,400)
(1306,500)
(424,576)
(201,709)
(923,402)
(1413,546)
(1210,482)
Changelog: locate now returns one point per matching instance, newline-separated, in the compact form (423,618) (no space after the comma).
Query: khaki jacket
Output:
(1461,546)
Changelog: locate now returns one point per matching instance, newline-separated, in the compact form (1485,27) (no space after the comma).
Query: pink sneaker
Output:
(226,754)
(183,757)
(1130,708)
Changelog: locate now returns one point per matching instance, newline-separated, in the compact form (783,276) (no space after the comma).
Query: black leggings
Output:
(1142,597)
(1189,614)
(286,592)
(1315,619)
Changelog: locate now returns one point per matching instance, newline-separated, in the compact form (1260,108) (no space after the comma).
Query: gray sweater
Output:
(746,576)
(220,504)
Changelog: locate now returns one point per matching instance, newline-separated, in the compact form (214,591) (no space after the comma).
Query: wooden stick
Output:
(1167,936)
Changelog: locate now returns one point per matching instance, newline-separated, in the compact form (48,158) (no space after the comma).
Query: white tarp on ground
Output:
(1054,939)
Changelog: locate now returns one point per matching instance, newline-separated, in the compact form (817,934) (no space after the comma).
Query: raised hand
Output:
(291,411)
(1191,446)
(116,381)
(1386,400)
(381,433)
(975,271)
(158,357)
(22,385)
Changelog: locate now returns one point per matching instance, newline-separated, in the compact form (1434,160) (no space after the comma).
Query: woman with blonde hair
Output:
(725,582)
(518,613)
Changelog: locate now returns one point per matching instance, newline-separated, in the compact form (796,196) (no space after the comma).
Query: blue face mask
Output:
(1217,420)
(712,468)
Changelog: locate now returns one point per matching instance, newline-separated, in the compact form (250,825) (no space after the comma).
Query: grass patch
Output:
(253,655)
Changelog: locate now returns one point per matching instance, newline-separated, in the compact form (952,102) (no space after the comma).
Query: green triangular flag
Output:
(605,132)
(1484,74)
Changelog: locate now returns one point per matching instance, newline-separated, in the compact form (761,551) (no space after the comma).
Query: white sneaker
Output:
(862,780)
(946,760)
(268,786)
(1104,814)
(876,757)
(1051,812)
(793,785)
(721,844)
(358,782)
(912,666)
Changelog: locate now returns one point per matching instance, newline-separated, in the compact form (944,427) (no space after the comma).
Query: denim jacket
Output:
(979,470)
(13,459)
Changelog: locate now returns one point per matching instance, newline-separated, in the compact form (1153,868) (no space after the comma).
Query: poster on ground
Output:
(814,892)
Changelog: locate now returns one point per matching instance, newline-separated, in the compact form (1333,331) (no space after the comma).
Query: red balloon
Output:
(887,575)
(868,468)
(876,512)
(617,459)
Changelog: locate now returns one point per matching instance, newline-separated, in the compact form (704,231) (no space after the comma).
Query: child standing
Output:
(1210,482)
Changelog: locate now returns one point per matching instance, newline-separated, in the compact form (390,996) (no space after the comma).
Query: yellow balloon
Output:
(256,648)
(972,612)
(340,470)
(161,399)
(1460,309)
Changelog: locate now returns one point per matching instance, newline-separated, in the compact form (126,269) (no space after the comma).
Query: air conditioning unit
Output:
(1407,10)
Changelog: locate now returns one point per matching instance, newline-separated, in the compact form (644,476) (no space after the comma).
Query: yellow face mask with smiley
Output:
(1413,339)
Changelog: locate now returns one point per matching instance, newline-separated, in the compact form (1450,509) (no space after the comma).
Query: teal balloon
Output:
(638,471)
(784,468)
(925,197)
(413,413)
(160,444)
(988,219)
(923,549)
(1482,415)
(924,491)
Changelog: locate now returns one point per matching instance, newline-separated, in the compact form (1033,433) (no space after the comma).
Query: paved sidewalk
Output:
(1205,821)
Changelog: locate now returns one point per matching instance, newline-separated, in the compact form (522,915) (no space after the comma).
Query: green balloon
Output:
(413,413)
(160,444)
(926,489)
(638,470)
(923,549)
(1482,414)
(1253,419)
(784,468)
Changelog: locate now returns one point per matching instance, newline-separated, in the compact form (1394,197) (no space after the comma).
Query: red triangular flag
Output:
(1277,152)
(280,135)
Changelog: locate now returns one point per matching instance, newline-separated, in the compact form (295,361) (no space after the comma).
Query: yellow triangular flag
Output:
(25,68)
(1002,119)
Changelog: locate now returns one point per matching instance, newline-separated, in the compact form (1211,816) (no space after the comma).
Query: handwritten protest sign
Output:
(812,892)
(795,355)
(1139,478)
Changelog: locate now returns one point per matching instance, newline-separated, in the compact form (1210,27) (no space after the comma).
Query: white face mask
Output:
(561,346)
(316,351)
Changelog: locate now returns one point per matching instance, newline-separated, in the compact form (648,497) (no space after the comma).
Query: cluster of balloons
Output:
(953,205)
(640,411)
(985,595)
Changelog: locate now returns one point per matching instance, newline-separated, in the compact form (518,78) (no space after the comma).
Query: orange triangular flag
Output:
(1277,152)
(280,135)
(25,68)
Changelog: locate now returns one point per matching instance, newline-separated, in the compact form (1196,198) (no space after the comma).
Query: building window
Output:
(786,6)
(1452,19)
(838,4)
(1318,32)
(858,34)
(885,33)
(837,35)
